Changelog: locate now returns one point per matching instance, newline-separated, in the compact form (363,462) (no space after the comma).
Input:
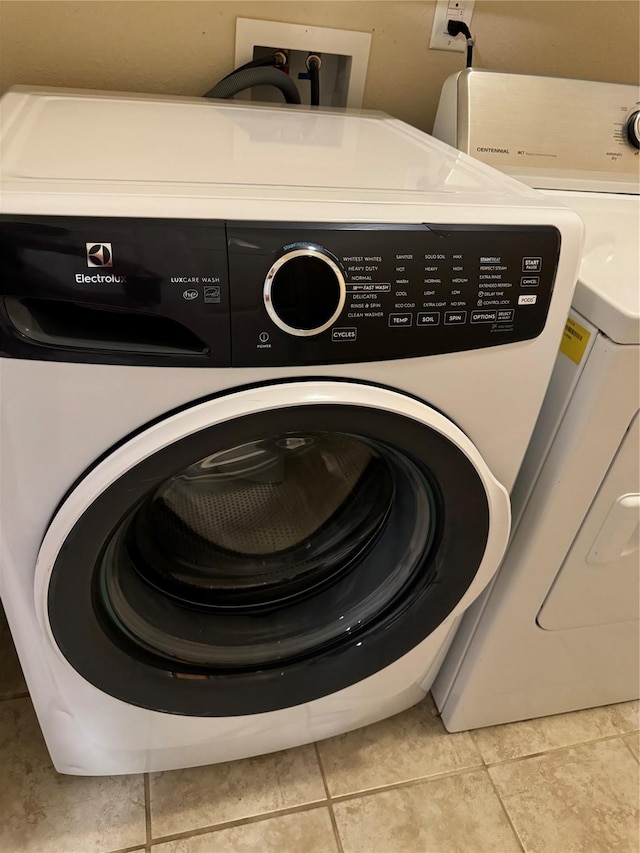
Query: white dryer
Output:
(268,376)
(559,628)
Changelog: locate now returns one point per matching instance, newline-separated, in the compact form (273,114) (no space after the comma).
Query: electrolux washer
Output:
(259,421)
(559,628)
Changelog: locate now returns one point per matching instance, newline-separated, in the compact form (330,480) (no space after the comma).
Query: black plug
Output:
(455,28)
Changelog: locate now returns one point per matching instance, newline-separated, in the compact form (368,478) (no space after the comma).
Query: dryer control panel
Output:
(251,294)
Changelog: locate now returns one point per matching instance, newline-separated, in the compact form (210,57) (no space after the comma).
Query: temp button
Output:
(452,318)
(399,321)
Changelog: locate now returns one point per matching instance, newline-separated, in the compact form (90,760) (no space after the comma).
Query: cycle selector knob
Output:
(304,291)
(633,129)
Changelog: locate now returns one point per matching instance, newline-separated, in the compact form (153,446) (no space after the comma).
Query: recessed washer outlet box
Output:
(344,54)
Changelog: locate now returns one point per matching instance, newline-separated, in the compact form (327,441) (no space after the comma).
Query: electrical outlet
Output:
(450,10)
(344,53)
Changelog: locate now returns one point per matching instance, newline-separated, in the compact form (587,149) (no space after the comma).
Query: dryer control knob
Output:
(304,291)
(633,128)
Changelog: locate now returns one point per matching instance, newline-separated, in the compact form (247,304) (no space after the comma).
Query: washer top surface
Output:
(78,143)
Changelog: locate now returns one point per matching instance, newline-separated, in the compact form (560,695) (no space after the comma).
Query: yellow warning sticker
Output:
(574,341)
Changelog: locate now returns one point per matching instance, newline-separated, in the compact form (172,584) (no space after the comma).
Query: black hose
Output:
(241,80)
(313,64)
(254,63)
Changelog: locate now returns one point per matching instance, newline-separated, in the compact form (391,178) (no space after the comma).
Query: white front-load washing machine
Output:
(268,376)
(559,629)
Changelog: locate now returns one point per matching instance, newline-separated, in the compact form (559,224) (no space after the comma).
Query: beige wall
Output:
(183,47)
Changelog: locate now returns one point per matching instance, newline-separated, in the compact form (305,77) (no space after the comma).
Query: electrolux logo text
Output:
(99,278)
(99,255)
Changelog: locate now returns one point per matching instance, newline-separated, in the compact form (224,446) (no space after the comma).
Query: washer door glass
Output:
(268,550)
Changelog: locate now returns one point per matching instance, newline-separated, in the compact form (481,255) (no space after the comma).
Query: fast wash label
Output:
(574,341)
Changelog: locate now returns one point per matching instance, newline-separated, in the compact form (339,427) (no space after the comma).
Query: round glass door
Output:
(264,549)
(268,550)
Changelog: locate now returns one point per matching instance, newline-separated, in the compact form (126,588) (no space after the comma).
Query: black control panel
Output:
(214,293)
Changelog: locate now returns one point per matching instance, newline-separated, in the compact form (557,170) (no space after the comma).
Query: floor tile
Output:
(411,745)
(579,800)
(633,741)
(626,716)
(182,800)
(45,812)
(11,679)
(516,740)
(304,832)
(457,813)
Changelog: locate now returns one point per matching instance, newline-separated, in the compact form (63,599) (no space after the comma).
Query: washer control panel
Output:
(336,293)
(251,294)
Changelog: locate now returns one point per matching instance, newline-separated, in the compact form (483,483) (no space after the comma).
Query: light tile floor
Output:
(565,784)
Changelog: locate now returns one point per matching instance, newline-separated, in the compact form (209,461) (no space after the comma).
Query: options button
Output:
(398,321)
(428,318)
(483,316)
(452,318)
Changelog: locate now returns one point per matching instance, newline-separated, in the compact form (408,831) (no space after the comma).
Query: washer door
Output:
(265,548)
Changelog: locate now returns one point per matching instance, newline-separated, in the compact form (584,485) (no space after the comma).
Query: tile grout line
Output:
(477,746)
(147,811)
(408,783)
(231,824)
(334,822)
(505,810)
(623,738)
(551,751)
(134,849)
